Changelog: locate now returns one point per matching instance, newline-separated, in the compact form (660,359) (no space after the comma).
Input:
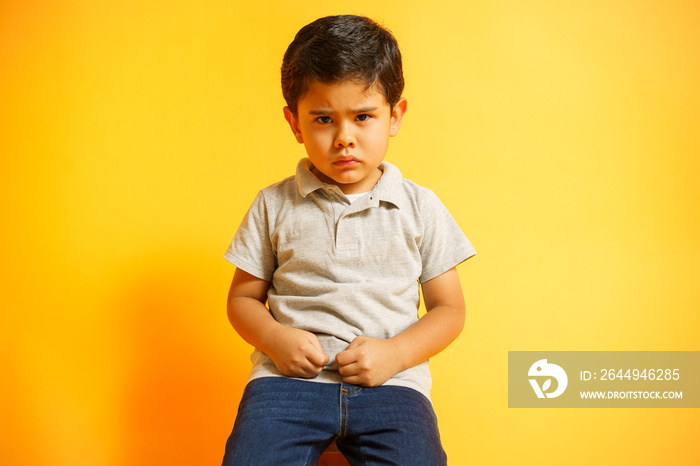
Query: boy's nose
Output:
(344,138)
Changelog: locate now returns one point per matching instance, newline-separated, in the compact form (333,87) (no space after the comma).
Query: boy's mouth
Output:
(346,162)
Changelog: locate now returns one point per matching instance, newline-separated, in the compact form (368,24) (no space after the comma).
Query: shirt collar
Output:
(387,188)
(306,180)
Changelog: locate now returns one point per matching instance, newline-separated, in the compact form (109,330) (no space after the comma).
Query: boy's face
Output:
(345,129)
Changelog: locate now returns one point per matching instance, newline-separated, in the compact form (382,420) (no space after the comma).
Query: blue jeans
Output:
(290,422)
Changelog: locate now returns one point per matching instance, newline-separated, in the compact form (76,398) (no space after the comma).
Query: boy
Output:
(338,253)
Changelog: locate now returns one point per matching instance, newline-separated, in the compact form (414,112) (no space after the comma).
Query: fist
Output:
(368,362)
(296,353)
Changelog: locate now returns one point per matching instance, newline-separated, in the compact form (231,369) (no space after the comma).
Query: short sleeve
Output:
(251,248)
(443,245)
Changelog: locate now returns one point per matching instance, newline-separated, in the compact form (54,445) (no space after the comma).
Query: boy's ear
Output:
(397,114)
(294,124)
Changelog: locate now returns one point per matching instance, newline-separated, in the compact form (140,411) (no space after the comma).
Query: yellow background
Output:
(563,136)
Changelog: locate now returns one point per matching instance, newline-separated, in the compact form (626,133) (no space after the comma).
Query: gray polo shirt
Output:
(341,269)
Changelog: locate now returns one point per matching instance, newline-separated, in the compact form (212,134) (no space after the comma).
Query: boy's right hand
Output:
(295,352)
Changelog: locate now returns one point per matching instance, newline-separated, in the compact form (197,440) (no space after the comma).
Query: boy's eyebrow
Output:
(365,109)
(327,111)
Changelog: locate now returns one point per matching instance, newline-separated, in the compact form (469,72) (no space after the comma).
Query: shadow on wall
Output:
(18,421)
(187,369)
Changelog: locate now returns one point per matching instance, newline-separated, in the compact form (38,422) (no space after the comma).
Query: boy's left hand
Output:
(368,362)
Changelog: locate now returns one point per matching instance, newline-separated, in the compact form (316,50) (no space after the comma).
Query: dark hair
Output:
(337,48)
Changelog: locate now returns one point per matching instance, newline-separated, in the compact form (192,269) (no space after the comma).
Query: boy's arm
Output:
(295,352)
(370,362)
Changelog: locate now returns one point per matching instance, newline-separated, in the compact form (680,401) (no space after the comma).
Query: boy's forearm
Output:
(252,320)
(370,362)
(429,336)
(295,352)
(439,327)
(246,310)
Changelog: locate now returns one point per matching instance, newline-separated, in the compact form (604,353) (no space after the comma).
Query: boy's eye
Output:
(363,117)
(324,119)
